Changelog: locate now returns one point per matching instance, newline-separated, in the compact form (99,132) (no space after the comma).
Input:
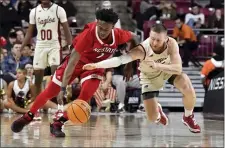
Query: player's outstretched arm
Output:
(74,58)
(134,54)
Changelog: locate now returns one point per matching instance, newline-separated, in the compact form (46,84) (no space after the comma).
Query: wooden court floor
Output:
(113,130)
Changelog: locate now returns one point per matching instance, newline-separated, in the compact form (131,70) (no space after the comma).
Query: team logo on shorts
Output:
(146,86)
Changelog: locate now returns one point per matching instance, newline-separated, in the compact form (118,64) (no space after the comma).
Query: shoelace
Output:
(195,122)
(193,119)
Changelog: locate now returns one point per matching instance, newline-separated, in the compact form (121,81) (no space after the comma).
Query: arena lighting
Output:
(158,22)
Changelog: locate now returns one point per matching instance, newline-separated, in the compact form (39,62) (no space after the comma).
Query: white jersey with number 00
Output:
(47,21)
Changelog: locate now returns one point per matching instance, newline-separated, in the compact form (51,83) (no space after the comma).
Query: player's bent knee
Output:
(188,91)
(149,95)
(186,83)
(85,94)
(88,89)
(184,76)
(183,82)
(180,78)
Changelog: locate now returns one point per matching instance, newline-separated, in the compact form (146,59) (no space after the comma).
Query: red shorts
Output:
(78,72)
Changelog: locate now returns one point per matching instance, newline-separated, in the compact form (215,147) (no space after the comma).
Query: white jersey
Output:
(146,70)
(25,88)
(48,21)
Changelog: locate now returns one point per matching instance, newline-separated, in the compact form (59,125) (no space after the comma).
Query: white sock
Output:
(60,107)
(121,105)
(187,112)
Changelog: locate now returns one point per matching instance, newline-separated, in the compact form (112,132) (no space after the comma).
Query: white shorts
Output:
(156,83)
(44,57)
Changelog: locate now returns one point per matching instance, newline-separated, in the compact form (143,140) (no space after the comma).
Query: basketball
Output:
(79,112)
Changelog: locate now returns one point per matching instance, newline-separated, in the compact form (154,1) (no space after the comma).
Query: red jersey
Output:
(92,49)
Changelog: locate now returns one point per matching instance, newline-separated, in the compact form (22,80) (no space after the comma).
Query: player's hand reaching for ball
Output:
(90,66)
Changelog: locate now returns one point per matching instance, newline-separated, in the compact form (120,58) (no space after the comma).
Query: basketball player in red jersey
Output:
(97,42)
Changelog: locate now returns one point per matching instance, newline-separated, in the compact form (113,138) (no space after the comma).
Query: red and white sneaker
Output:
(191,123)
(57,115)
(37,116)
(164,119)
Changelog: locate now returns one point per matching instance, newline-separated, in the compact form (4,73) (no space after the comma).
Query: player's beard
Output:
(156,48)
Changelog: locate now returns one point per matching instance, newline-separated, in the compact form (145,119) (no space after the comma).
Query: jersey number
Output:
(46,34)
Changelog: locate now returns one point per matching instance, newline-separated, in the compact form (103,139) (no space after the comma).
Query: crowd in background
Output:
(196,16)
(188,20)
(113,88)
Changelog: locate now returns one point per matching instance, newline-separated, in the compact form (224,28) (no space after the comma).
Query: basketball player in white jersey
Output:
(46,17)
(160,61)
(18,91)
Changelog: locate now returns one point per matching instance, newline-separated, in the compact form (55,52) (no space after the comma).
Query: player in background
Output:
(46,17)
(19,92)
(98,41)
(160,61)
